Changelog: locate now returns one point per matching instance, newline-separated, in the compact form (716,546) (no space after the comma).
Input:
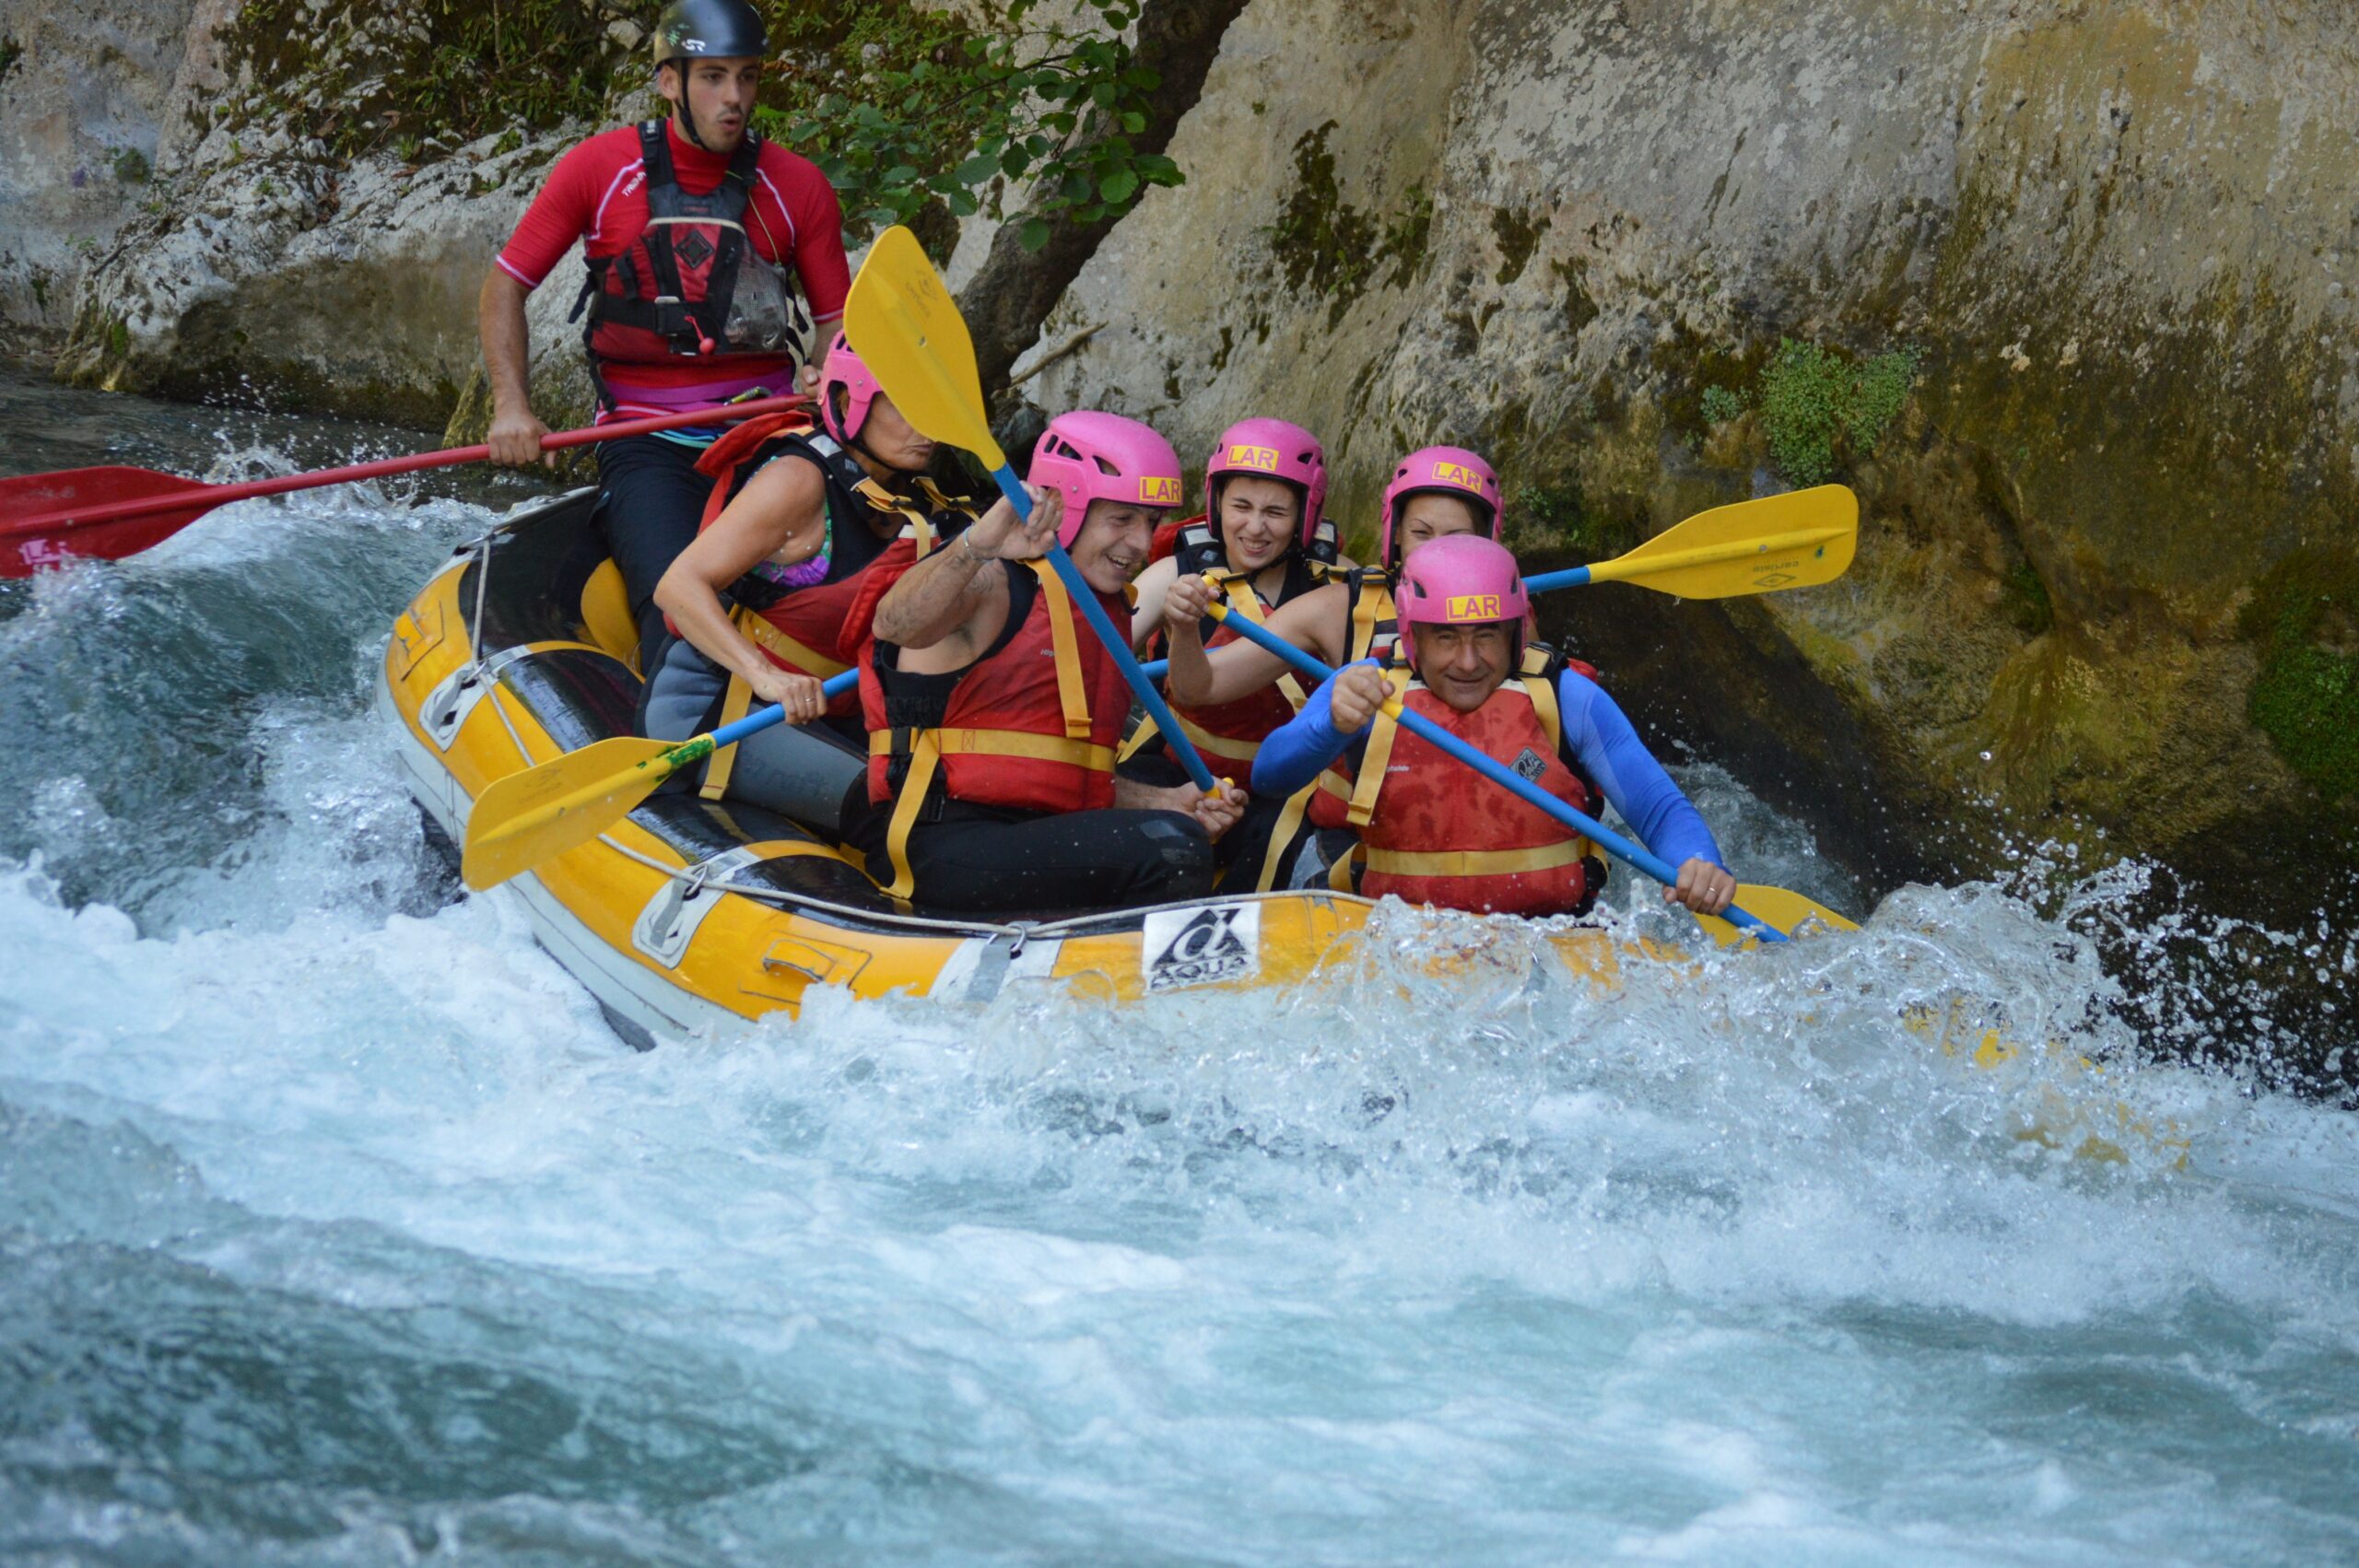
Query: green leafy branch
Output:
(962,119)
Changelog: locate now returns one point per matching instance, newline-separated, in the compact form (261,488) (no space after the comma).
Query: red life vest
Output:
(674,290)
(1229,734)
(817,628)
(1434,834)
(1030,725)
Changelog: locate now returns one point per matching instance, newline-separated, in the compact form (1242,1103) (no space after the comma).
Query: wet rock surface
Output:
(2114,245)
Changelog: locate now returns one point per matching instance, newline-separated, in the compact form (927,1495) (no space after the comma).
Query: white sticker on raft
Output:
(1211,945)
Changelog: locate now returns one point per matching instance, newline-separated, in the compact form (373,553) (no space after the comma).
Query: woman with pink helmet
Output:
(1432,833)
(994,712)
(1433,493)
(1265,540)
(766,602)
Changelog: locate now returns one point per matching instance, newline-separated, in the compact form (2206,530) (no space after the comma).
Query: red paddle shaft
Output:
(222,494)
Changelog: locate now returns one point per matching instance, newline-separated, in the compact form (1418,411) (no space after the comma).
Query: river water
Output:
(335,1226)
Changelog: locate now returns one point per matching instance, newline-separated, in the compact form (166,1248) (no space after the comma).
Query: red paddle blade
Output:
(38,526)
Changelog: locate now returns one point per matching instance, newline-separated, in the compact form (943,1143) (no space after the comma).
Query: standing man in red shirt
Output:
(716,264)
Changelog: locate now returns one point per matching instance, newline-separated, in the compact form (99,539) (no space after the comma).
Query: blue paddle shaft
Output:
(1506,777)
(1117,643)
(1571,576)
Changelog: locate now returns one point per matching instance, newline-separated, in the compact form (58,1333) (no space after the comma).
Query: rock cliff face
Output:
(2062,288)
(2105,580)
(175,236)
(88,105)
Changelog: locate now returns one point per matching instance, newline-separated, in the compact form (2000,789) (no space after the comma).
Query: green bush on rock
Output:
(1812,400)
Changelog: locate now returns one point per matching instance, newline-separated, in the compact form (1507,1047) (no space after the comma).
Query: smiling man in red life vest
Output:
(1435,833)
(993,710)
(716,260)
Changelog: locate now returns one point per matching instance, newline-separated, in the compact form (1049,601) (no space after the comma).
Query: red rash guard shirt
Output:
(597,193)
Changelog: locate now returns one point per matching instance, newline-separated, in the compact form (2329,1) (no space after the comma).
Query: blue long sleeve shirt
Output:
(1596,731)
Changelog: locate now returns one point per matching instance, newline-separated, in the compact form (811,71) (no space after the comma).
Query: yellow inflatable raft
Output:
(691,913)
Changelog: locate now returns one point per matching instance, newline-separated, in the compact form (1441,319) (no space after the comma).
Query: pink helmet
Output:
(846,369)
(1271,449)
(1103,457)
(1444,471)
(1462,580)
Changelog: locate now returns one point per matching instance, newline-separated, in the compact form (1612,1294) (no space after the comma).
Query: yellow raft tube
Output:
(690,914)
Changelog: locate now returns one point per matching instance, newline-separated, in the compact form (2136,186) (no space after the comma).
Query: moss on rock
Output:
(2305,616)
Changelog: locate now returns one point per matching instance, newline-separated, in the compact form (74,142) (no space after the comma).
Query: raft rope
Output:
(698,881)
(1020,930)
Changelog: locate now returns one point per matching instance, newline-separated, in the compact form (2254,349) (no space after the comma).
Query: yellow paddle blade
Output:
(1789,912)
(904,325)
(1797,540)
(527,817)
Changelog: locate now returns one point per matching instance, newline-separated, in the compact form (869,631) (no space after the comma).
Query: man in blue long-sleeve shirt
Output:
(1433,831)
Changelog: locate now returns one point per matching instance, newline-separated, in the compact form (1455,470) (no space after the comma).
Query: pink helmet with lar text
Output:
(1442,471)
(1462,580)
(1271,449)
(846,369)
(1089,456)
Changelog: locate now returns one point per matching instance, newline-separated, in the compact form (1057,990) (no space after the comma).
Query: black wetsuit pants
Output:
(980,859)
(1241,850)
(649,500)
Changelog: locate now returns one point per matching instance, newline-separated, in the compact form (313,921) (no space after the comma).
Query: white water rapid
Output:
(336,1227)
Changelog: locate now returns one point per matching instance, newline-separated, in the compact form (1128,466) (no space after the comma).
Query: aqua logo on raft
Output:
(1212,945)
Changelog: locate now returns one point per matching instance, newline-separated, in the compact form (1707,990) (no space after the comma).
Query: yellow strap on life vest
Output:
(1146,735)
(1344,876)
(1374,603)
(1249,604)
(925,755)
(1544,705)
(1021,744)
(915,517)
(761,634)
(1377,756)
(733,704)
(1274,854)
(1073,691)
(1226,746)
(1478,862)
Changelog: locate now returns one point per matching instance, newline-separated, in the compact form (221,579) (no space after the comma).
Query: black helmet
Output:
(710,29)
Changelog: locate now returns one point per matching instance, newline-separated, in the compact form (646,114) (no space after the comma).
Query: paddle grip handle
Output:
(1506,778)
(1115,643)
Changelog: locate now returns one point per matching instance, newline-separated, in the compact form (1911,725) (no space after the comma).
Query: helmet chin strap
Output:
(688,116)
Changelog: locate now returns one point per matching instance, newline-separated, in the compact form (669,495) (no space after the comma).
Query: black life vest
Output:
(690,282)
